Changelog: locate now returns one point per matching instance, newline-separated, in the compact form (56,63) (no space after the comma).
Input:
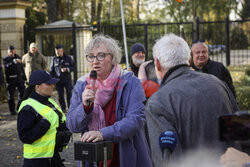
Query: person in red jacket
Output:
(148,78)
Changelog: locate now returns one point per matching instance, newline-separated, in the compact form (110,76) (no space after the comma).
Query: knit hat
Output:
(136,48)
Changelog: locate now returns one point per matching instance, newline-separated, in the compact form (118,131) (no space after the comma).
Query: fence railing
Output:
(228,41)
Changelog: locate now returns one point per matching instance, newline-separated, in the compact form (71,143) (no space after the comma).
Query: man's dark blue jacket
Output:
(62,62)
(14,71)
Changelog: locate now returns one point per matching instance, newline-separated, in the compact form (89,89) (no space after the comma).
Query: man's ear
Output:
(157,64)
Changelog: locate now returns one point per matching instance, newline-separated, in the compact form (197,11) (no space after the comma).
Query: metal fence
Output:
(228,41)
(147,34)
(66,36)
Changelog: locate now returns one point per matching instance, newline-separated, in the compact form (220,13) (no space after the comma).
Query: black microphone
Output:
(168,140)
(92,80)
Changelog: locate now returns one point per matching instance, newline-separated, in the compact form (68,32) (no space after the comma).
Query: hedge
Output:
(243,97)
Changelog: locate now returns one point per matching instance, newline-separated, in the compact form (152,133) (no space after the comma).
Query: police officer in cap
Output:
(15,78)
(61,67)
(41,124)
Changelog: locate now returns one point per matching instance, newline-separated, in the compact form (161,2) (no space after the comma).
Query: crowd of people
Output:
(155,112)
(18,70)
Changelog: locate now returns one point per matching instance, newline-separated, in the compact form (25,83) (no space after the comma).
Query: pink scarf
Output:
(104,93)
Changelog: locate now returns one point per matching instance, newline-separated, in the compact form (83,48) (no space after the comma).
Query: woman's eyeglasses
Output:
(99,56)
(198,40)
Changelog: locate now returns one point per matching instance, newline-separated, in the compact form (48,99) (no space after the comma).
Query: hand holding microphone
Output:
(167,142)
(88,94)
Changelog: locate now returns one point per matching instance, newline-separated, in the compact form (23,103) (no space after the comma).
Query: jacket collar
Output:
(122,83)
(39,98)
(34,54)
(134,68)
(174,72)
(61,57)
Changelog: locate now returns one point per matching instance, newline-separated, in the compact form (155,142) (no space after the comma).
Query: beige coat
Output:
(32,63)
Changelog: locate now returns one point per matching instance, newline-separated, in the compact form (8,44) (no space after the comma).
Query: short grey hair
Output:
(171,50)
(205,45)
(110,43)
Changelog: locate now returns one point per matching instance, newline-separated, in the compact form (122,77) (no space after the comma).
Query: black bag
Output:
(63,136)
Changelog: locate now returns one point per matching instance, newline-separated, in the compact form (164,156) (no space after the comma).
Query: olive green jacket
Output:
(32,63)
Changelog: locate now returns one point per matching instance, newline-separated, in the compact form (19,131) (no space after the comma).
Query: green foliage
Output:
(245,10)
(136,33)
(34,19)
(238,39)
(243,97)
(139,11)
(247,71)
(210,31)
(241,81)
(49,41)
(171,10)
(245,80)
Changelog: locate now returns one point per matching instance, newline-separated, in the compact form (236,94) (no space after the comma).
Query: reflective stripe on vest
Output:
(44,146)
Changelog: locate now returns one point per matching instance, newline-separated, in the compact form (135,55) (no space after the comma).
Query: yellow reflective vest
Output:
(43,147)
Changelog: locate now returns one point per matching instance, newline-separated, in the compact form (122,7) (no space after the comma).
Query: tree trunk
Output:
(93,7)
(60,13)
(110,10)
(99,10)
(138,10)
(51,10)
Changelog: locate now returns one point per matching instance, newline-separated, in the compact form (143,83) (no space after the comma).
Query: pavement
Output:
(11,147)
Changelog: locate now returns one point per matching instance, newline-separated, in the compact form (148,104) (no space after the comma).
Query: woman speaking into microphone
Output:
(113,108)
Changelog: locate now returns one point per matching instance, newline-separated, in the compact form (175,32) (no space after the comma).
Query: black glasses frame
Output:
(99,56)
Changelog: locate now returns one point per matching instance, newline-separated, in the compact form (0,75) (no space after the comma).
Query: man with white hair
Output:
(186,106)
(33,60)
(201,62)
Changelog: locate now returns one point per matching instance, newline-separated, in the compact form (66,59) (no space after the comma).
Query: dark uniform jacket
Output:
(1,75)
(30,118)
(134,69)
(14,71)
(31,126)
(62,62)
(219,70)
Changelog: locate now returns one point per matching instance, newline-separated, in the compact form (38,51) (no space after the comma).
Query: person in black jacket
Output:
(61,67)
(15,78)
(138,57)
(200,62)
(1,75)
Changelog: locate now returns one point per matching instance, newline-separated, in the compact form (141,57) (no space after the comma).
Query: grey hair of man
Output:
(111,45)
(171,50)
(203,43)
